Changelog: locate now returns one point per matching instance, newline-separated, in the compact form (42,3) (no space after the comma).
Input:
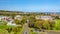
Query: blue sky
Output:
(30,5)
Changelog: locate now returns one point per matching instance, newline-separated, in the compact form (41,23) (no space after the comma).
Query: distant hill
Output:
(10,12)
(4,12)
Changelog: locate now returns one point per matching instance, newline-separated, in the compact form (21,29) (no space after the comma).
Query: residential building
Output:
(44,17)
(8,20)
(19,17)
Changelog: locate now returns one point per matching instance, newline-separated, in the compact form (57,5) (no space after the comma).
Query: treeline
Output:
(10,13)
(44,24)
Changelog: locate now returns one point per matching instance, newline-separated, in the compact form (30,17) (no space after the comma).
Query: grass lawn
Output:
(3,31)
(4,27)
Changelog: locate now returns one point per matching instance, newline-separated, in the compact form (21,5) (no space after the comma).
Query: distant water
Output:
(47,12)
(51,12)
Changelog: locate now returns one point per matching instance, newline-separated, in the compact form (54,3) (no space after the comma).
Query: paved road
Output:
(25,30)
(53,32)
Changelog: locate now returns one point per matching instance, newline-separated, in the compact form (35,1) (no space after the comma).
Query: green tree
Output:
(17,21)
(52,24)
(32,20)
(38,24)
(57,24)
(23,20)
(57,17)
(46,25)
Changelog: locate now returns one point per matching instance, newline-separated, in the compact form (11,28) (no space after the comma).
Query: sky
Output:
(30,5)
